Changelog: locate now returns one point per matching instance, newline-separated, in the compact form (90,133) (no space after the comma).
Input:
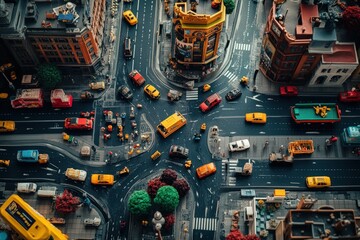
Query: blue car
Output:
(32,156)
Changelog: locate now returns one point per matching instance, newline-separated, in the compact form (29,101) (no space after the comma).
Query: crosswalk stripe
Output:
(242,46)
(192,95)
(208,224)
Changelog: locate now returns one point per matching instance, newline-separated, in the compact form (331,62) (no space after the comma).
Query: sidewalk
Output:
(259,150)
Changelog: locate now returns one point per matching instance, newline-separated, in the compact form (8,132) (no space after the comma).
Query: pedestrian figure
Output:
(281,148)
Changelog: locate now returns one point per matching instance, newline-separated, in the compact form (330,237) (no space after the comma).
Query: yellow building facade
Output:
(197,34)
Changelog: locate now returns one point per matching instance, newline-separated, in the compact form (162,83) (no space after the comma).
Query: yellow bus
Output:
(171,124)
(27,222)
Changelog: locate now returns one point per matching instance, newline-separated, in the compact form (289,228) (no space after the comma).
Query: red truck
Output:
(137,78)
(60,100)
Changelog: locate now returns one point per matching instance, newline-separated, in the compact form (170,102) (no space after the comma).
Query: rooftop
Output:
(58,13)
(314,223)
(342,53)
(288,13)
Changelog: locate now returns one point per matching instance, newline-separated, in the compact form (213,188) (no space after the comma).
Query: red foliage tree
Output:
(182,186)
(351,18)
(169,221)
(153,186)
(234,235)
(66,203)
(168,176)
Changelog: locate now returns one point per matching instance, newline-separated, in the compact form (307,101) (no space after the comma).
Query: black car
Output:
(177,151)
(124,92)
(233,94)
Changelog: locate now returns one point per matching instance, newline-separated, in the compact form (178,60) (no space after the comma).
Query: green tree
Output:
(167,198)
(139,202)
(49,76)
(230,6)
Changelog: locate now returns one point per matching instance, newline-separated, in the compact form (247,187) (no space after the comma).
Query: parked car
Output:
(4,163)
(239,145)
(130,17)
(233,94)
(7,126)
(151,91)
(124,92)
(136,78)
(97,85)
(26,187)
(177,151)
(76,174)
(127,48)
(102,179)
(288,91)
(349,96)
(78,123)
(318,182)
(256,117)
(92,222)
(210,102)
(206,170)
(85,151)
(32,156)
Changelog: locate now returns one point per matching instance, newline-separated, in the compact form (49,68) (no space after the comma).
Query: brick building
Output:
(300,39)
(66,33)
(197,28)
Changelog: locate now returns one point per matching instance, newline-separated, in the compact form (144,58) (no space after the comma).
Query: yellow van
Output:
(318,182)
(171,124)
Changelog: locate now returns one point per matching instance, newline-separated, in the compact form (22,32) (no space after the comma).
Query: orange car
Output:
(206,170)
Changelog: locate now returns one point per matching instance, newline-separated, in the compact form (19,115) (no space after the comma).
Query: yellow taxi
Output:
(130,17)
(256,117)
(7,126)
(4,95)
(318,182)
(4,163)
(102,179)
(206,170)
(155,155)
(97,85)
(151,91)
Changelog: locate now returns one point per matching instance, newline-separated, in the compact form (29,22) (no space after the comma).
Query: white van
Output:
(26,187)
(47,192)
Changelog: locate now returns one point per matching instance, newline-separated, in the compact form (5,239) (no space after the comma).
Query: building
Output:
(197,27)
(303,46)
(317,224)
(66,33)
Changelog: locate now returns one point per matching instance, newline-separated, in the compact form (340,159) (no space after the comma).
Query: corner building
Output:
(303,45)
(197,34)
(68,34)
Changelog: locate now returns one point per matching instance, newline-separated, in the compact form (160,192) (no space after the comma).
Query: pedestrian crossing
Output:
(208,224)
(192,95)
(231,165)
(231,76)
(242,46)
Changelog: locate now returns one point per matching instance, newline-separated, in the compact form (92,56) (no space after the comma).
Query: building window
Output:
(88,44)
(320,80)
(335,78)
(86,36)
(323,70)
(345,70)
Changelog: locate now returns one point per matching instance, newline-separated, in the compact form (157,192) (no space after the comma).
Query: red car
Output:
(289,91)
(349,96)
(78,123)
(210,102)
(137,78)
